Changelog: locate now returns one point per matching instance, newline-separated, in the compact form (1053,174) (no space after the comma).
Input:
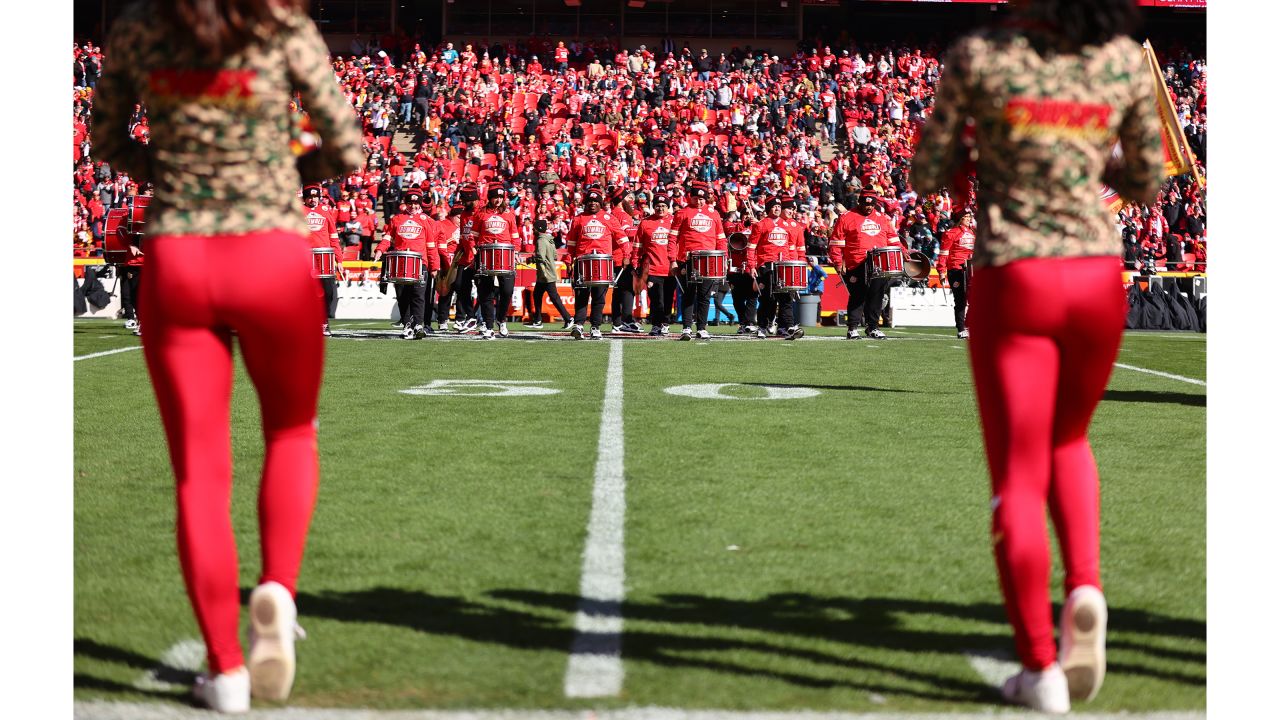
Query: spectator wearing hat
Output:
(696,227)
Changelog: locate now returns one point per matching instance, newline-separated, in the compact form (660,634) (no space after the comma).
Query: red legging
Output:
(192,300)
(1044,336)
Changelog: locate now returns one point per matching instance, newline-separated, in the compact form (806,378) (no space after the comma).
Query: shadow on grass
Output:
(852,388)
(84,647)
(749,637)
(1150,396)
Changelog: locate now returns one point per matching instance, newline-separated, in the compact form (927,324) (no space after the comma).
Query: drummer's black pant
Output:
(866,294)
(661,289)
(744,298)
(960,293)
(412,299)
(330,288)
(697,298)
(130,281)
(540,288)
(596,296)
(366,247)
(622,308)
(773,304)
(488,289)
(466,306)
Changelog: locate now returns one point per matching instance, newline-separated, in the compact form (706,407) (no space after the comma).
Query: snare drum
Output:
(496,259)
(789,275)
(323,262)
(885,262)
(138,214)
(706,265)
(115,242)
(402,267)
(593,270)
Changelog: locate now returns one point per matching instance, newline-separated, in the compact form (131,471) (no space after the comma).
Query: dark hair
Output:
(222,27)
(1088,22)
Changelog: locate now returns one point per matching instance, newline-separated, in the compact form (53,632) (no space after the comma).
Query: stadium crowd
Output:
(545,120)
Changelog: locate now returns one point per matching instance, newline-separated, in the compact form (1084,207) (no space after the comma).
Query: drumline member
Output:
(956,251)
(740,282)
(696,227)
(496,223)
(447,277)
(623,303)
(324,233)
(796,228)
(771,240)
(653,239)
(414,231)
(464,258)
(131,271)
(856,233)
(547,275)
(593,231)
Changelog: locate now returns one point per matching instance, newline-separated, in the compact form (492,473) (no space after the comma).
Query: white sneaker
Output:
(876,334)
(407,333)
(225,693)
(1044,691)
(773,328)
(419,332)
(486,334)
(751,329)
(1082,640)
(852,334)
(576,331)
(761,334)
(795,332)
(704,335)
(595,333)
(326,331)
(469,325)
(130,324)
(963,334)
(666,329)
(502,330)
(138,330)
(686,334)
(273,625)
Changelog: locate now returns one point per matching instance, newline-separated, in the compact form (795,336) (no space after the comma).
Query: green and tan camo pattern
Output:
(220,161)
(1038,181)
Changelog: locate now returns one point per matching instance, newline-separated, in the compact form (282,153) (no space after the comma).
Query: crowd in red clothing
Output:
(821,125)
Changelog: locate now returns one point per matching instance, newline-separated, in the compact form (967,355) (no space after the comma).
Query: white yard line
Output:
(595,660)
(98,710)
(1193,381)
(105,353)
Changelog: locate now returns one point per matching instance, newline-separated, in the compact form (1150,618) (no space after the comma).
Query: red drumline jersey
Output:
(957,248)
(495,227)
(855,234)
(414,232)
(448,241)
(795,227)
(624,252)
(596,233)
(323,228)
(770,241)
(468,237)
(697,229)
(653,238)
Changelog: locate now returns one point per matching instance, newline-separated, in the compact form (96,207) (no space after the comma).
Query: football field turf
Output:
(805,529)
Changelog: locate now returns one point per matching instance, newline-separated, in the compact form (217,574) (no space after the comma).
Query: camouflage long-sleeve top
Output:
(1045,125)
(219,155)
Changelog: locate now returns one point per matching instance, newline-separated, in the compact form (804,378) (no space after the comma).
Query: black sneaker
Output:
(535,324)
(876,334)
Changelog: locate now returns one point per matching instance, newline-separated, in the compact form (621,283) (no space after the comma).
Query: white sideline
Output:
(1193,381)
(104,353)
(99,710)
(595,660)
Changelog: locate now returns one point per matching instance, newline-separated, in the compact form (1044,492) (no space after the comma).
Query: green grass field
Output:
(824,553)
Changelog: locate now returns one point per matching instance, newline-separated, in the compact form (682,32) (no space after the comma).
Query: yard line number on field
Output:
(595,660)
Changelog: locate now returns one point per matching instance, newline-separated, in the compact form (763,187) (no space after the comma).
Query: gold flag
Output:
(1178,158)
